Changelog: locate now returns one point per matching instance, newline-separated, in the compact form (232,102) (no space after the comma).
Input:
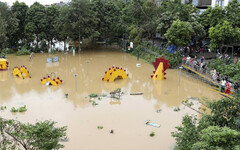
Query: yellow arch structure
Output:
(3,64)
(21,72)
(52,81)
(113,73)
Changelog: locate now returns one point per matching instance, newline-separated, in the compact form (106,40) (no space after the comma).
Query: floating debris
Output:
(158,110)
(137,93)
(100,127)
(111,131)
(193,98)
(66,95)
(152,134)
(152,124)
(138,65)
(116,93)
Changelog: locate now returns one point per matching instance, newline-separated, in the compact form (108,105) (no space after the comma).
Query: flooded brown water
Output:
(126,116)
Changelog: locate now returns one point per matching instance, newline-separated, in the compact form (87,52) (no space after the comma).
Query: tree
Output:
(108,16)
(233,13)
(179,33)
(165,21)
(20,11)
(219,129)
(35,28)
(223,34)
(81,20)
(3,36)
(42,135)
(52,14)
(211,17)
(62,25)
(8,25)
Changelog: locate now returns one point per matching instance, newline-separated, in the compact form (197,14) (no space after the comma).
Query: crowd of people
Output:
(194,63)
(225,85)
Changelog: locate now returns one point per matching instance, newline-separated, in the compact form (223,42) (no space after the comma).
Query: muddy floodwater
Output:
(126,116)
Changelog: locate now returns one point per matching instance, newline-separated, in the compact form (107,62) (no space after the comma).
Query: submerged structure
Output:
(114,73)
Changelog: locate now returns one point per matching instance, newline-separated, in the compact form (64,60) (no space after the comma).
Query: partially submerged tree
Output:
(19,9)
(35,28)
(42,135)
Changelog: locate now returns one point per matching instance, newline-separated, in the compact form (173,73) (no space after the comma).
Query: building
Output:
(60,4)
(221,3)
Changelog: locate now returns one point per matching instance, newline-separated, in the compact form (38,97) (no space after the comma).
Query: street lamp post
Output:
(180,73)
(76,81)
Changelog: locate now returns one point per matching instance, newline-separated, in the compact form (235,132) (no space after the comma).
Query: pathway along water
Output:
(126,117)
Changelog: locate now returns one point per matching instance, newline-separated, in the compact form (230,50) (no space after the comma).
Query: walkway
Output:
(205,76)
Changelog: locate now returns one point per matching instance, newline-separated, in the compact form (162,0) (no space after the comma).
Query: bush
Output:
(41,135)
(54,51)
(231,70)
(217,129)
(10,51)
(13,109)
(23,51)
(148,52)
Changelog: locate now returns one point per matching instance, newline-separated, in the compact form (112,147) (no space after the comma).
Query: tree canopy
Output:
(113,20)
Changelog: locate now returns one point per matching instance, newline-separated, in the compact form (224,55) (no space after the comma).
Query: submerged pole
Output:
(180,73)
(76,81)
(87,65)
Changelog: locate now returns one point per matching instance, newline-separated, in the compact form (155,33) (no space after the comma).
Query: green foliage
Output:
(36,23)
(19,9)
(149,52)
(233,12)
(54,51)
(219,129)
(217,137)
(135,35)
(177,109)
(3,107)
(179,33)
(13,109)
(42,135)
(93,95)
(223,34)
(23,51)
(22,109)
(100,127)
(231,70)
(9,51)
(152,134)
